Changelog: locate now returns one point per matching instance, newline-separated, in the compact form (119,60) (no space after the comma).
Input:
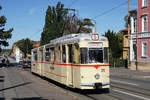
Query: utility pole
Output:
(128,33)
(136,63)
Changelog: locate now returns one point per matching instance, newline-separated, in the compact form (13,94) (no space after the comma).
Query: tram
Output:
(75,60)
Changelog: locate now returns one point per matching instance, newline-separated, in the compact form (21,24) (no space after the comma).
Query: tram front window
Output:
(95,55)
(84,56)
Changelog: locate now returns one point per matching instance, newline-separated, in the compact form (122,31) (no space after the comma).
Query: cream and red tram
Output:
(76,60)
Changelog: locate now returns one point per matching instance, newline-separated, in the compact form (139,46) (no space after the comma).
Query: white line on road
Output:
(132,95)
(124,82)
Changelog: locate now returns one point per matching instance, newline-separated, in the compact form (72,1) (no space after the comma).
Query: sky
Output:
(27,17)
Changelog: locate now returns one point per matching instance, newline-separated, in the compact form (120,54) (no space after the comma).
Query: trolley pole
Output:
(128,33)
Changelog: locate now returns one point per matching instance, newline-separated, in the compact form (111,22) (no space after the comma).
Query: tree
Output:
(25,45)
(54,19)
(127,20)
(75,25)
(4,34)
(115,43)
(59,22)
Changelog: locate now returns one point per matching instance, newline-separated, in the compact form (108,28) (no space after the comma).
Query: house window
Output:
(144,3)
(144,49)
(144,23)
(135,25)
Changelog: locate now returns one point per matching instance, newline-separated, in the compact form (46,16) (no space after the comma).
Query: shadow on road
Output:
(33,98)
(15,86)
(2,98)
(1,76)
(84,92)
(1,80)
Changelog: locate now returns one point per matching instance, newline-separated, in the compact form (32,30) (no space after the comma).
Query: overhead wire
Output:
(72,3)
(109,10)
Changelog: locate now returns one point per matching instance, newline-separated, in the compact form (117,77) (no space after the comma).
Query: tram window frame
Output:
(96,58)
(76,56)
(41,56)
(70,53)
(106,55)
(84,55)
(59,54)
(47,56)
(35,56)
(63,54)
(52,54)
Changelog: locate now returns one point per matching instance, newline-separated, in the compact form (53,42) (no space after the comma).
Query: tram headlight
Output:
(97,76)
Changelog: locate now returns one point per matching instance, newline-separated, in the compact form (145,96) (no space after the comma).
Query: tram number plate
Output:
(102,70)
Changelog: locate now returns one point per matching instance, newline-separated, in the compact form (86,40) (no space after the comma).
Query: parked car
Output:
(26,64)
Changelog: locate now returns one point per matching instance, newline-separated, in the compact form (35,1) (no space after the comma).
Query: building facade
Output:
(143,34)
(133,35)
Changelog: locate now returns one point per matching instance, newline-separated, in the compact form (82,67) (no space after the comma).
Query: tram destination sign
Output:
(95,44)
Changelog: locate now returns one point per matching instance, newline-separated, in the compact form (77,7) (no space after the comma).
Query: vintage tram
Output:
(75,60)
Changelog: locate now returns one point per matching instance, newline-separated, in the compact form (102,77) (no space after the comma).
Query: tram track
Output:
(136,91)
(131,90)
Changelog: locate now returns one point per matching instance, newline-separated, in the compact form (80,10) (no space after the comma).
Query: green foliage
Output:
(53,23)
(25,45)
(84,25)
(127,20)
(115,48)
(75,25)
(58,22)
(4,34)
(115,43)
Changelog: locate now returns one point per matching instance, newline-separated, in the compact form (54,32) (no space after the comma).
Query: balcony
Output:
(144,35)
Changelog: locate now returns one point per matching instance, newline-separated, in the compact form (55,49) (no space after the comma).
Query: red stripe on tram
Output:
(95,66)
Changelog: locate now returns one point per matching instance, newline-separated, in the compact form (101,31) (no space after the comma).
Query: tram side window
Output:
(63,54)
(70,53)
(35,57)
(59,55)
(47,56)
(84,55)
(76,53)
(51,55)
(105,55)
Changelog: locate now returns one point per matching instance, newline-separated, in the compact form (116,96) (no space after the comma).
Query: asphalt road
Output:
(17,84)
(20,84)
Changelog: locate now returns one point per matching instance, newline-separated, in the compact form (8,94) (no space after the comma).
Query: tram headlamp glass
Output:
(97,76)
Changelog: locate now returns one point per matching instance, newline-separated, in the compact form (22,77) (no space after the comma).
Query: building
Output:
(125,43)
(36,44)
(17,53)
(143,31)
(142,19)
(133,48)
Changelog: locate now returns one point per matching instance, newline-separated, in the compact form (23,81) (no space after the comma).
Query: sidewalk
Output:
(132,74)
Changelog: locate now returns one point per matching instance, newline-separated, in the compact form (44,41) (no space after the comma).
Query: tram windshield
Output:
(94,55)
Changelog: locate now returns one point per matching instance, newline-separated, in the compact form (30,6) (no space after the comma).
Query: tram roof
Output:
(71,38)
(76,38)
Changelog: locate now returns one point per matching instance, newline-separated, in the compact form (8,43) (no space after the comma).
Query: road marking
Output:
(124,82)
(132,95)
(146,76)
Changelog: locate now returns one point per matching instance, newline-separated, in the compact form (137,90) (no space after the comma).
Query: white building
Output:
(133,23)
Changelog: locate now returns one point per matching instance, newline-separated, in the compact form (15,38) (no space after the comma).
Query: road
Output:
(19,84)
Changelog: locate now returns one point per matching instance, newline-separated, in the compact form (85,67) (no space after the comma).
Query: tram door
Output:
(70,60)
(41,60)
